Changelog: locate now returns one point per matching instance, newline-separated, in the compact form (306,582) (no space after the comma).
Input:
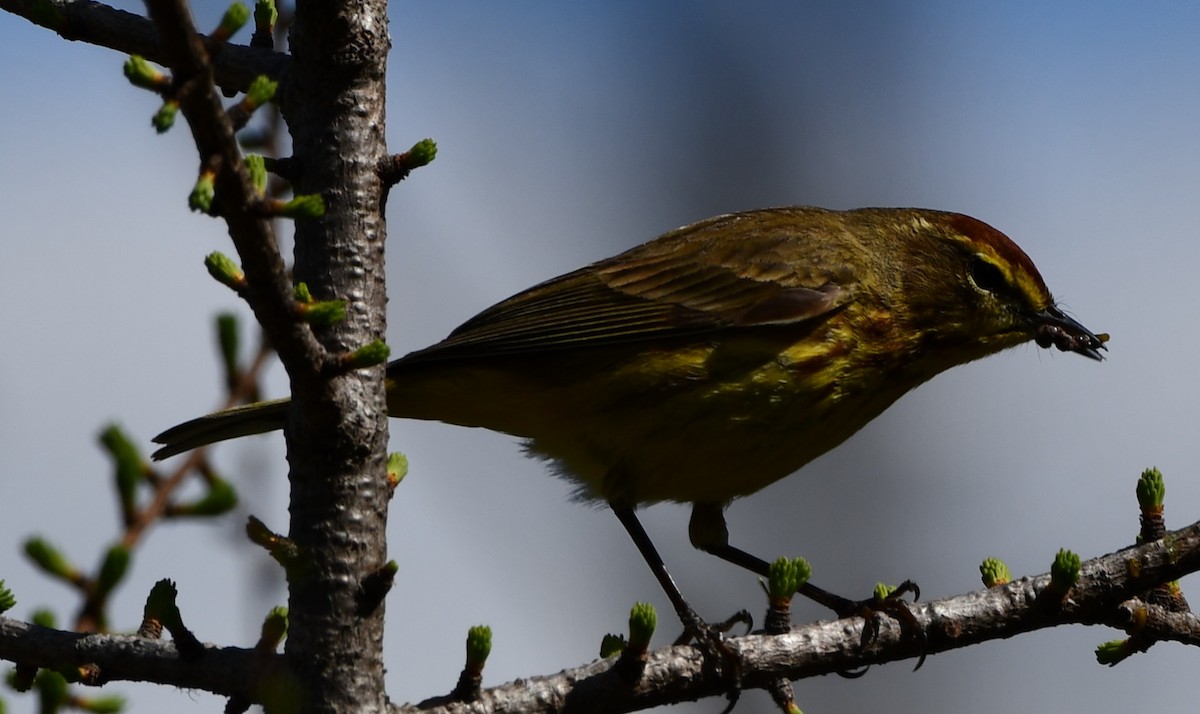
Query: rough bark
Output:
(337,434)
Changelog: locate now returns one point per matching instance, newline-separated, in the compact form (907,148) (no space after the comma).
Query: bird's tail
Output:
(256,418)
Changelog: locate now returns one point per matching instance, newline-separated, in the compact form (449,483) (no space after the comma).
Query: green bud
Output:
(201,197)
(50,560)
(259,534)
(781,579)
(375,586)
(231,22)
(479,646)
(265,14)
(261,91)
(258,172)
(803,571)
(160,605)
(369,355)
(642,622)
(322,313)
(883,591)
(282,550)
(397,468)
(44,618)
(52,688)
(612,645)
(1150,489)
(422,153)
(114,567)
(995,573)
(274,627)
(1065,571)
(141,73)
(101,705)
(7,599)
(228,340)
(1111,653)
(301,293)
(310,206)
(221,498)
(785,577)
(130,466)
(164,118)
(225,271)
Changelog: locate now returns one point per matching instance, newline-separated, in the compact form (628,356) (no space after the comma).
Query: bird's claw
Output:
(894,605)
(724,660)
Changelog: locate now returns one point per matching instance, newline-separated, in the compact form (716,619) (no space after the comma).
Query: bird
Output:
(718,358)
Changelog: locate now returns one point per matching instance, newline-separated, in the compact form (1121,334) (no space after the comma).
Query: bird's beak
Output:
(1053,327)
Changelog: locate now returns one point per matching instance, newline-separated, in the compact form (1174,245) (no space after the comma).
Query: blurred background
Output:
(567,133)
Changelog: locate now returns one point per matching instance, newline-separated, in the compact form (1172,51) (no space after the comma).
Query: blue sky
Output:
(567,133)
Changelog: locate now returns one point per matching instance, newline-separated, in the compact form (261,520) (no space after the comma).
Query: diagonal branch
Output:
(675,674)
(98,24)
(269,289)
(228,670)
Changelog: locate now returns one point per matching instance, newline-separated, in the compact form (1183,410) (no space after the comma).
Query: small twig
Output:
(247,385)
(678,673)
(98,24)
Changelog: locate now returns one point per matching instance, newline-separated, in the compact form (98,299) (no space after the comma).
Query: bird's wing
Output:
(690,281)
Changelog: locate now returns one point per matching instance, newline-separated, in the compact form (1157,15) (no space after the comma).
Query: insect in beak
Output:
(1055,328)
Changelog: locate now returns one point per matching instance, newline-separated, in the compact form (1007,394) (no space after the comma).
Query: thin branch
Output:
(1161,625)
(152,512)
(674,674)
(98,24)
(269,290)
(225,671)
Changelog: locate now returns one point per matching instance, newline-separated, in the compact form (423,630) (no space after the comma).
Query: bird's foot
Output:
(710,638)
(890,602)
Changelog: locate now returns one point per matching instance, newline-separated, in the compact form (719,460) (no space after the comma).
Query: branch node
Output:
(395,168)
(161,607)
(479,646)
(232,21)
(373,353)
(226,272)
(265,16)
(375,587)
(281,549)
(274,627)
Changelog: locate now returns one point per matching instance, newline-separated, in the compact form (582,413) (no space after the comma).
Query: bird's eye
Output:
(987,276)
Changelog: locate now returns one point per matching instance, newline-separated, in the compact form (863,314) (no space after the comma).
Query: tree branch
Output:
(675,674)
(334,105)
(98,24)
(333,100)
(228,670)
(1105,594)
(269,290)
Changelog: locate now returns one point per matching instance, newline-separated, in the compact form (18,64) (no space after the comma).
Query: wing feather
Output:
(693,280)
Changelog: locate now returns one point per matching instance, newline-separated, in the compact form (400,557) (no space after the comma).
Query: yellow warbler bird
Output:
(720,357)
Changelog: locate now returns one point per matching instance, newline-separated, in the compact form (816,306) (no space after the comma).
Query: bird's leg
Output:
(706,636)
(708,532)
(628,519)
